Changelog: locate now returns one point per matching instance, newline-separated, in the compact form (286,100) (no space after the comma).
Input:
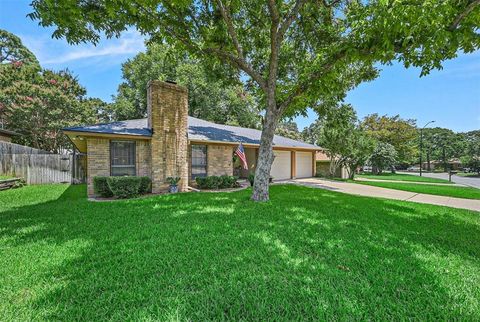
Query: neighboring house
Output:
(6,135)
(170,143)
(323,166)
(452,164)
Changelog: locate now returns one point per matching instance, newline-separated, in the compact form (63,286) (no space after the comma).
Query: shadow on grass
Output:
(308,253)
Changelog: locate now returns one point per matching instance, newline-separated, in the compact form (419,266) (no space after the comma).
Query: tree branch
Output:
(290,18)
(274,50)
(239,63)
(302,87)
(463,14)
(230,28)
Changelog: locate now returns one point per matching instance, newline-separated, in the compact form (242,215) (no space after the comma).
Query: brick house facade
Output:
(170,143)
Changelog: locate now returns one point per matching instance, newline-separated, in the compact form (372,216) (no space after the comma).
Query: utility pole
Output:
(421,144)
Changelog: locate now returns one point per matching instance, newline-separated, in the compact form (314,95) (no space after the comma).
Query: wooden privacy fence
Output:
(12,148)
(41,168)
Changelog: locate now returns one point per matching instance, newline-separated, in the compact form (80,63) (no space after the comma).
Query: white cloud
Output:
(54,52)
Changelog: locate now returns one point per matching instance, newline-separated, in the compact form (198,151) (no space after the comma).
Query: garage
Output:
(303,164)
(282,165)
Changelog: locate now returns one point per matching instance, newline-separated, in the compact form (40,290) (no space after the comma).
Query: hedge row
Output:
(121,187)
(215,182)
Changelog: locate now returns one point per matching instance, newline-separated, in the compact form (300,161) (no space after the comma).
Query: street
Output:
(471,182)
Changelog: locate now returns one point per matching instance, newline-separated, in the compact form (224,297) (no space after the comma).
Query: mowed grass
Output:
(401,177)
(439,190)
(308,254)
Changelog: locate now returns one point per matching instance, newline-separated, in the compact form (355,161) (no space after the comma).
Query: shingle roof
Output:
(128,127)
(198,130)
(207,131)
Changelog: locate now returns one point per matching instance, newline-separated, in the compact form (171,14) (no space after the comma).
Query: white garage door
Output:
(282,165)
(304,164)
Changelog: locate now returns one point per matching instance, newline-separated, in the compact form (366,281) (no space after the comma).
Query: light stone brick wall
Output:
(167,107)
(4,138)
(143,158)
(219,160)
(98,160)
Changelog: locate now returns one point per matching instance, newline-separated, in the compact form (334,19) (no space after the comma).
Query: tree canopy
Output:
(37,103)
(297,54)
(401,133)
(221,100)
(383,156)
(13,51)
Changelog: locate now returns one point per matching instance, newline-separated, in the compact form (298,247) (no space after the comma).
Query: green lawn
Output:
(2,177)
(401,177)
(449,191)
(307,254)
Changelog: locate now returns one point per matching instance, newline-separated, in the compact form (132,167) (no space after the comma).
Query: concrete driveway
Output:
(471,182)
(371,191)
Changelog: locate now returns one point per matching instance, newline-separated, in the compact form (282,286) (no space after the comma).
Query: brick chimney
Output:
(167,107)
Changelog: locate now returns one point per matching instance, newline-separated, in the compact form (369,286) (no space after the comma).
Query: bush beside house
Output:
(121,187)
(217,182)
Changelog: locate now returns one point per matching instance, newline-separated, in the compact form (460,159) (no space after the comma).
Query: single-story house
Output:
(6,135)
(170,143)
(452,164)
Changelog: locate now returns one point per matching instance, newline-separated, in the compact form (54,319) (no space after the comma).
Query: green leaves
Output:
(212,95)
(38,103)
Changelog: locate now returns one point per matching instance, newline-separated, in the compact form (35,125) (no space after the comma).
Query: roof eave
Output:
(103,134)
(257,145)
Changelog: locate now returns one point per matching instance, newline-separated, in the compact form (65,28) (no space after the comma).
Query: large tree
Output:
(442,144)
(13,51)
(296,53)
(383,156)
(288,129)
(471,155)
(219,99)
(401,133)
(38,103)
(337,135)
(39,106)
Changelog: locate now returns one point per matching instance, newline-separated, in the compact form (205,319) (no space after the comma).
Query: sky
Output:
(450,97)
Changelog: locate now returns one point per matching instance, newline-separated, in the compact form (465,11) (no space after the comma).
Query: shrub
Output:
(145,185)
(121,187)
(100,186)
(124,187)
(217,182)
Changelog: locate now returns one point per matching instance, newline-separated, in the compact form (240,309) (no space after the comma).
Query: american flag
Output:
(241,154)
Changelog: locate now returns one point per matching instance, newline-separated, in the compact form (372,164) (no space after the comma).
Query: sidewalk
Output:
(371,191)
(414,182)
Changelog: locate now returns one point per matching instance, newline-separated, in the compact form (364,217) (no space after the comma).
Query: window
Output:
(199,161)
(122,158)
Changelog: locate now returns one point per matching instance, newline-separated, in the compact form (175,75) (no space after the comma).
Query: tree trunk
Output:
(265,157)
(351,173)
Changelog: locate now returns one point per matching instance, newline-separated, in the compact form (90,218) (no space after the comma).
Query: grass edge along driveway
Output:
(439,190)
(401,177)
(307,254)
